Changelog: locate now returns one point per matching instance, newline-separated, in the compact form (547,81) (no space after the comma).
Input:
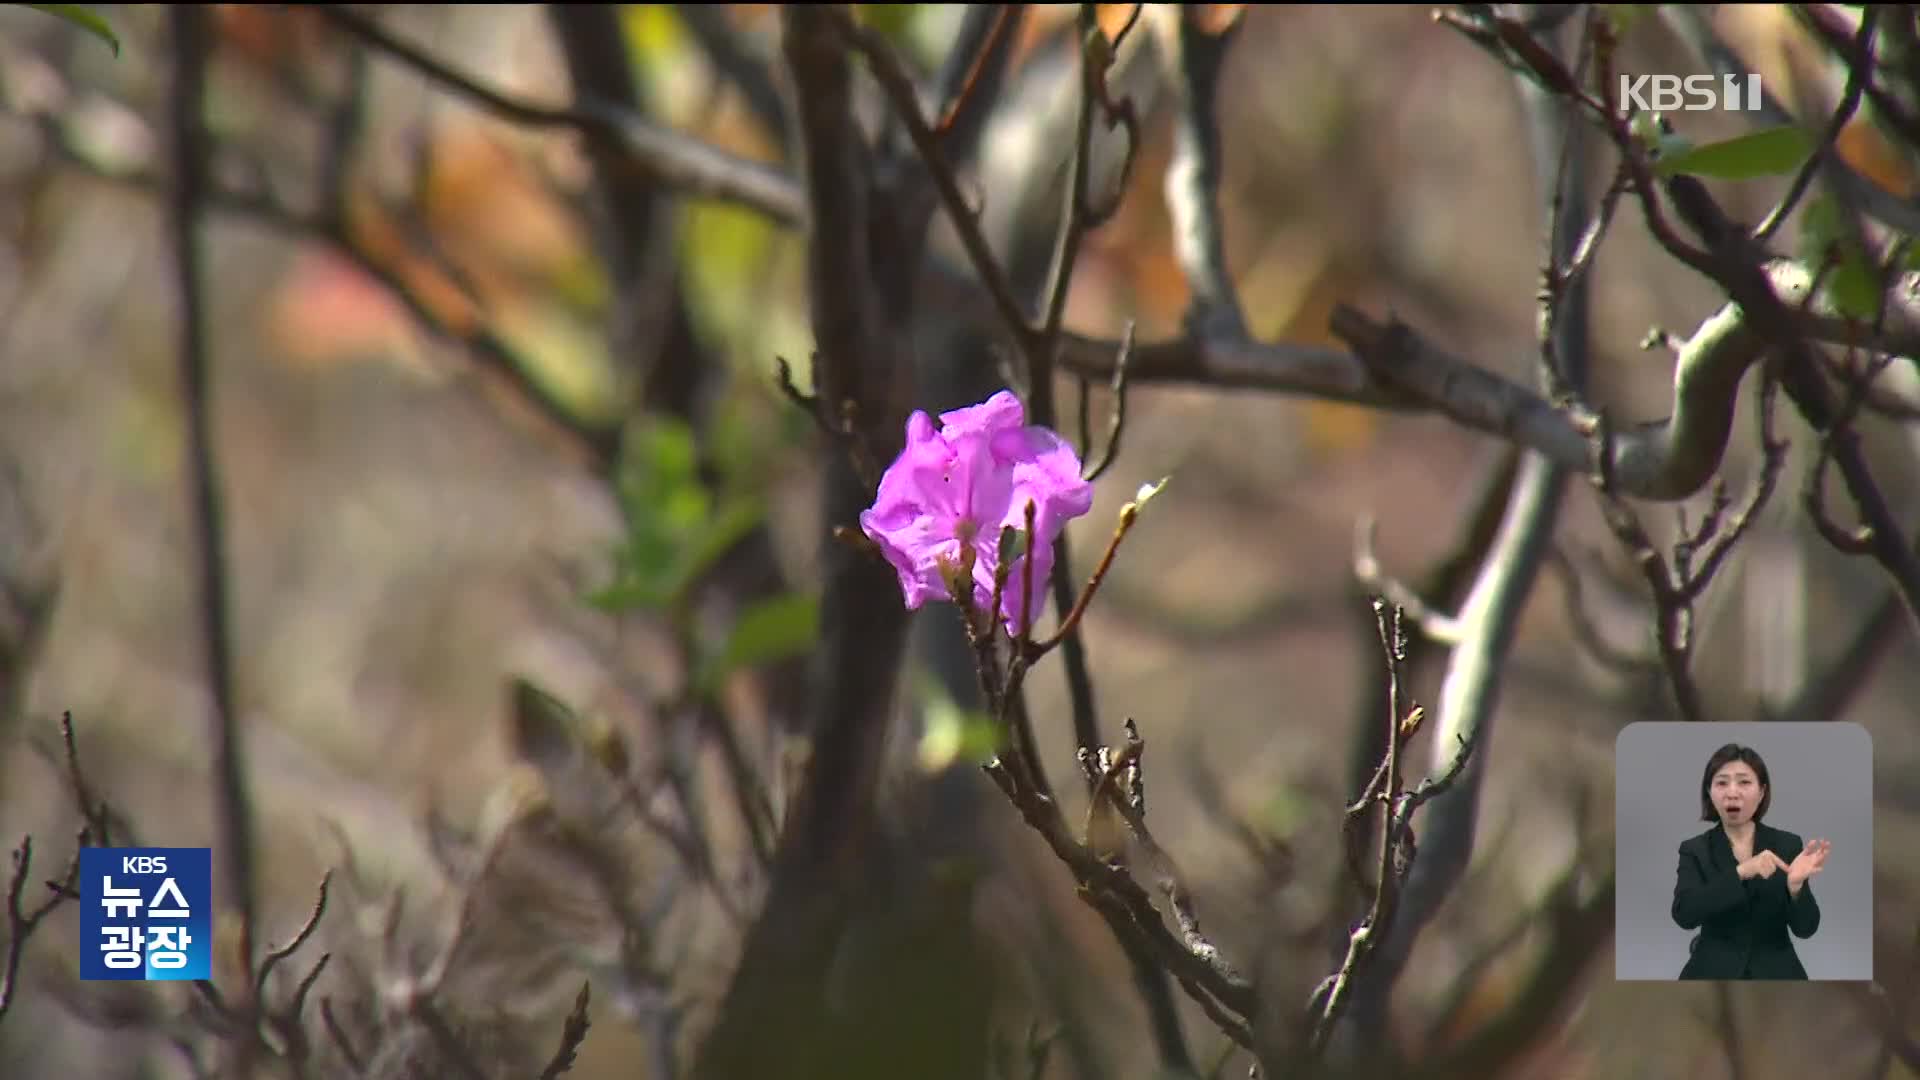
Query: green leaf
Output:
(770,631)
(1820,228)
(1285,811)
(665,453)
(1623,16)
(734,521)
(1660,139)
(678,525)
(85,20)
(1854,285)
(952,734)
(628,594)
(893,20)
(1773,152)
(1013,544)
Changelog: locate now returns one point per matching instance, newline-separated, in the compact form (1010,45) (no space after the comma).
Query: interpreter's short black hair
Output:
(1721,758)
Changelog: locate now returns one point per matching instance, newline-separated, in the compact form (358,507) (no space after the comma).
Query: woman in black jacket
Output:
(1744,884)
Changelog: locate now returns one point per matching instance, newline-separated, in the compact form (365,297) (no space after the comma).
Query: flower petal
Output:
(1046,470)
(922,476)
(1000,412)
(912,543)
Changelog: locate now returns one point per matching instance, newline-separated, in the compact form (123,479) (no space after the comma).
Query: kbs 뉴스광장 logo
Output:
(146,914)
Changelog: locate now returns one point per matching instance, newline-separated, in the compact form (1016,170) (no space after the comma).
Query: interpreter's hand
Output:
(1809,862)
(1762,864)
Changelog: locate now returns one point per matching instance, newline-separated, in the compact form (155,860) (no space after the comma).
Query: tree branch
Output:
(771,1011)
(669,157)
(1490,617)
(1663,460)
(1691,25)
(193,43)
(711,26)
(1193,181)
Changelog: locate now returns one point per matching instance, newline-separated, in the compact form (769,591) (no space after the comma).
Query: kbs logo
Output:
(146,913)
(1693,93)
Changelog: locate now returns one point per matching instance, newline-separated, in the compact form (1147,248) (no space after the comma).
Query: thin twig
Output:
(1858,75)
(973,73)
(1466,709)
(1114,893)
(674,159)
(1128,515)
(1673,614)
(572,1034)
(889,72)
(1390,368)
(1124,792)
(1435,624)
(1396,852)
(23,921)
(1585,630)
(1858,540)
(355,1059)
(1117,420)
(274,957)
(193,42)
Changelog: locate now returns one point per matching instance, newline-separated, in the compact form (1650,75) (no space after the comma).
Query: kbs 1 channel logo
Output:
(146,914)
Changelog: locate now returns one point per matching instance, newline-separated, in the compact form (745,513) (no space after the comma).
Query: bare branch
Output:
(572,1034)
(1585,630)
(1117,421)
(898,85)
(1665,460)
(23,920)
(1124,791)
(1678,585)
(1121,900)
(1857,78)
(671,158)
(1490,616)
(969,83)
(355,1059)
(1193,180)
(752,75)
(1739,268)
(774,993)
(1437,625)
(1858,540)
(1693,27)
(275,957)
(234,813)
(1396,854)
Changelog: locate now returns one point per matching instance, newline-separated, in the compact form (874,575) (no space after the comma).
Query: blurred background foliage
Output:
(410,535)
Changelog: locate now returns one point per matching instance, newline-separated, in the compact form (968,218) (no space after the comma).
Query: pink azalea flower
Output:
(954,487)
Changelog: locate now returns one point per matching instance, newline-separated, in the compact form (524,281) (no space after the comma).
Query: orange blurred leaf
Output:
(1113,18)
(1862,146)
(1214,19)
